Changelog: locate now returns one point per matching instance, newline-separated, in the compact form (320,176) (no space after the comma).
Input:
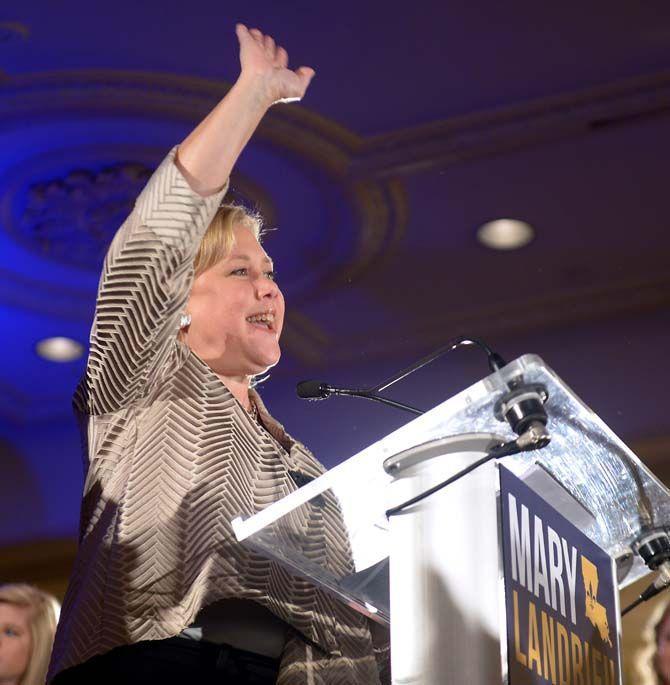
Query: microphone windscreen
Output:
(312,390)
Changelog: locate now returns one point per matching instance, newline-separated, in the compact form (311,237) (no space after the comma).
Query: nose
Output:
(266,288)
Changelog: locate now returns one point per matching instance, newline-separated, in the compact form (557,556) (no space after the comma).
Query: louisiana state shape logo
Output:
(595,612)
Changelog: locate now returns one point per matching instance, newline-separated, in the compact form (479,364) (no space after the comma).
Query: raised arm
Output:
(148,269)
(208,155)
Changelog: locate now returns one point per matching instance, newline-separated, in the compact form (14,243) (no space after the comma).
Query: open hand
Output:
(267,63)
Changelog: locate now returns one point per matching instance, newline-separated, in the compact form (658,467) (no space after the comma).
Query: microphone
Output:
(313,390)
(318,390)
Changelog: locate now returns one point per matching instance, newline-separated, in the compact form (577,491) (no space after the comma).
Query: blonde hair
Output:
(645,659)
(43,610)
(219,238)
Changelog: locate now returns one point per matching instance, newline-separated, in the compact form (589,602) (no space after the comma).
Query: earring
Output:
(185,320)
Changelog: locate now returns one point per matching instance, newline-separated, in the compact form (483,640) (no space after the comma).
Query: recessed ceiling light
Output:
(59,349)
(505,234)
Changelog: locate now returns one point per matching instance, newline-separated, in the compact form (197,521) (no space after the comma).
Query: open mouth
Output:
(263,321)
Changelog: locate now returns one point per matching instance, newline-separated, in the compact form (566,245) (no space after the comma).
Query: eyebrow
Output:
(247,258)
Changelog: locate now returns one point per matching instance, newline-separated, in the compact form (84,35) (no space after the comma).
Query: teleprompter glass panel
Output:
(619,495)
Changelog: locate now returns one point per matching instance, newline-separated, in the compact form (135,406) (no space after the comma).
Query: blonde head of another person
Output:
(28,618)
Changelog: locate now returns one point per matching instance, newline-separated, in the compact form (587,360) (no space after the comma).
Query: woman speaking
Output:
(178,443)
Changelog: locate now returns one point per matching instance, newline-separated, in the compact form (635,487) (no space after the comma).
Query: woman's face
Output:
(15,641)
(237,311)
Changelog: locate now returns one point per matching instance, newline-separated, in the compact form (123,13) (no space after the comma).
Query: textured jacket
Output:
(171,457)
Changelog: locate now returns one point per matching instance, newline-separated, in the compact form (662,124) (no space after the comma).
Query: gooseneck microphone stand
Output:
(318,390)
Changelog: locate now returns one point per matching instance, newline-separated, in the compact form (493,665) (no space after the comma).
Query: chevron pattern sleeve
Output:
(145,283)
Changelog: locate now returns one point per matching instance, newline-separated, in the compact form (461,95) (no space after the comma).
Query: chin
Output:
(270,365)
(265,363)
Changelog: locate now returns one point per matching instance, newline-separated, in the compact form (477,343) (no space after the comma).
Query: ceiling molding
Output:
(383,216)
(483,134)
(186,98)
(303,338)
(53,299)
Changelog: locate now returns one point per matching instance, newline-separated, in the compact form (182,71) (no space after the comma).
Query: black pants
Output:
(176,660)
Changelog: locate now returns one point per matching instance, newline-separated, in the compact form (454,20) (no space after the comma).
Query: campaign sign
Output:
(559,596)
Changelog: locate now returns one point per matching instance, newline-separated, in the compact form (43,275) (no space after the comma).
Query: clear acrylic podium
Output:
(586,473)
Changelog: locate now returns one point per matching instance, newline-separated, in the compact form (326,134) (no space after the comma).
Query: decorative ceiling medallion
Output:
(73,219)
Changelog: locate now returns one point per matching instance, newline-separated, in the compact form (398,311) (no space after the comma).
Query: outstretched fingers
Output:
(269,45)
(242,33)
(259,54)
(281,58)
(256,35)
(276,54)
